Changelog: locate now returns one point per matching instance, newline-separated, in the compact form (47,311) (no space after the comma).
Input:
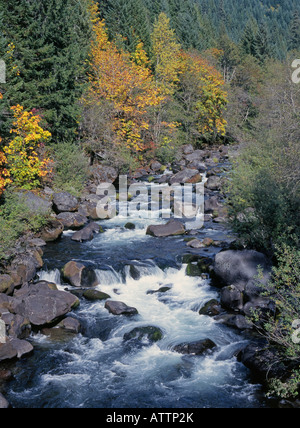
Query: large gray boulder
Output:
(42,304)
(36,203)
(234,267)
(87,233)
(172,228)
(65,202)
(72,220)
(52,231)
(14,348)
(79,275)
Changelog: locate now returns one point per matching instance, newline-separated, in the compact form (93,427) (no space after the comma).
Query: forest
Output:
(125,82)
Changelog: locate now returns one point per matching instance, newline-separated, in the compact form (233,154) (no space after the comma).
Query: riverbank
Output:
(30,304)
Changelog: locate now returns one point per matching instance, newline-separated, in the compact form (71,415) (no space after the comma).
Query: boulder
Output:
(52,231)
(43,306)
(65,202)
(172,228)
(196,164)
(233,267)
(186,176)
(78,275)
(142,334)
(87,233)
(232,298)
(14,348)
(211,308)
(72,220)
(264,361)
(119,308)
(6,281)
(212,205)
(36,203)
(197,155)
(187,149)
(214,182)
(130,226)
(155,166)
(17,326)
(103,174)
(195,348)
(70,324)
(95,295)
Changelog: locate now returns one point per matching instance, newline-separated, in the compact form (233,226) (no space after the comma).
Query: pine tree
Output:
(248,39)
(48,44)
(128,21)
(294,40)
(262,44)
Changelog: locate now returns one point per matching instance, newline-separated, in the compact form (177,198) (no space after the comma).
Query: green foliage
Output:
(16,219)
(47,44)
(71,168)
(280,327)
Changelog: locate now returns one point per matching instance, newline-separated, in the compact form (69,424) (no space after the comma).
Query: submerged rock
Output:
(148,333)
(87,233)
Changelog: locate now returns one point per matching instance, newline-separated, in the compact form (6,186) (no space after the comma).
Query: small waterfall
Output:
(108,277)
(50,276)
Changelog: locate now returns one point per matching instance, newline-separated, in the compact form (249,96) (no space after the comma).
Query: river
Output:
(98,369)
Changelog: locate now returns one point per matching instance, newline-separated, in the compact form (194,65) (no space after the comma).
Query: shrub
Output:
(16,218)
(71,168)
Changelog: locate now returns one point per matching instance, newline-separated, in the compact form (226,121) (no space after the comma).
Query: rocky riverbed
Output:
(31,306)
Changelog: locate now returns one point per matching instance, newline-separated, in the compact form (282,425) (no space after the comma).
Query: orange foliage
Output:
(124,80)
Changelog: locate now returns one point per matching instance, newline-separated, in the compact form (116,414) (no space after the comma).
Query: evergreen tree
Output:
(127,21)
(48,44)
(248,40)
(294,40)
(262,44)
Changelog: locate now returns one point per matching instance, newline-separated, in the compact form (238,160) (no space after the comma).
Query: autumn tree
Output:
(203,98)
(26,163)
(126,83)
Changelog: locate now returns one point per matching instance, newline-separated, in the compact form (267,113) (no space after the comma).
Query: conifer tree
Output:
(248,39)
(47,45)
(294,40)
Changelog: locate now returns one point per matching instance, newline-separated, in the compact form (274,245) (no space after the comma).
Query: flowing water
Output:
(98,369)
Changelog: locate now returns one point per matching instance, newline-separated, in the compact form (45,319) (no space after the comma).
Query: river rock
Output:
(147,333)
(78,275)
(17,326)
(103,174)
(186,176)
(87,233)
(52,231)
(92,294)
(264,361)
(65,202)
(14,348)
(43,306)
(213,183)
(70,324)
(172,228)
(119,308)
(195,348)
(232,298)
(197,155)
(72,220)
(5,282)
(233,267)
(187,149)
(211,308)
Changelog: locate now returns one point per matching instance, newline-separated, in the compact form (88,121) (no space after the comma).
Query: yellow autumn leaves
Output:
(22,161)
